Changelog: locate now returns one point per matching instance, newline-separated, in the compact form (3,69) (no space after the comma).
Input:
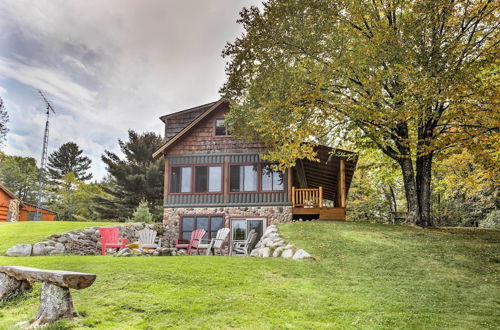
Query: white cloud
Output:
(110,65)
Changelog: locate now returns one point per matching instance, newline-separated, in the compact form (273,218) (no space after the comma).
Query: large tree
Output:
(414,77)
(136,177)
(69,159)
(4,118)
(20,175)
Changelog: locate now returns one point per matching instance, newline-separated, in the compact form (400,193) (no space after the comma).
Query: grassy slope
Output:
(366,276)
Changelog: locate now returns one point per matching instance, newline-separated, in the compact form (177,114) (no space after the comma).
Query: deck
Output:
(310,202)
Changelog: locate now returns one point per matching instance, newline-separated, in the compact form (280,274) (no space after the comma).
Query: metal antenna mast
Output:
(43,161)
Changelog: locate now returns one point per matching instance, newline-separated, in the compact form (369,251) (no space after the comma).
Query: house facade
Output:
(13,209)
(213,180)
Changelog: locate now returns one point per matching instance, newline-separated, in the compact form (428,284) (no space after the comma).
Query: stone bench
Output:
(55,298)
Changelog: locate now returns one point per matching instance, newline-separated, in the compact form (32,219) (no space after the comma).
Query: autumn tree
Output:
(134,178)
(413,77)
(69,158)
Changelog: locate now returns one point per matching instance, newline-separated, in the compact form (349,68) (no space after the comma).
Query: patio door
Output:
(240,227)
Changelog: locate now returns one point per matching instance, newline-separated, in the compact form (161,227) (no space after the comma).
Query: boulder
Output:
(301,254)
(19,250)
(125,252)
(277,252)
(288,253)
(40,249)
(265,252)
(58,249)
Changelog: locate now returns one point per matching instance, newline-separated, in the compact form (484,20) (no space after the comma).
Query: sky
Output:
(108,66)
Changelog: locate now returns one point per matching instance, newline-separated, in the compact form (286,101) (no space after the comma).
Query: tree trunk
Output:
(423,179)
(410,190)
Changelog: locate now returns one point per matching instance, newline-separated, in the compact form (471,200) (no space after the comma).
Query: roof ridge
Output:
(188,110)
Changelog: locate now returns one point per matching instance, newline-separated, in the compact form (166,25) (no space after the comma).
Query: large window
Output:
(220,129)
(241,227)
(243,178)
(211,224)
(180,179)
(208,179)
(271,180)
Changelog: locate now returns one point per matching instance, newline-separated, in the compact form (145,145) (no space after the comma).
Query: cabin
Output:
(213,180)
(12,209)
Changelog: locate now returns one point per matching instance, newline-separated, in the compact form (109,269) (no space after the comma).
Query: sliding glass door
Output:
(240,227)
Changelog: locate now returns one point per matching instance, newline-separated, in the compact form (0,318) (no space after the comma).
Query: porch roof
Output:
(325,173)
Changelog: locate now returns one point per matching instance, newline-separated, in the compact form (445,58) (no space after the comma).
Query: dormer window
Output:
(220,129)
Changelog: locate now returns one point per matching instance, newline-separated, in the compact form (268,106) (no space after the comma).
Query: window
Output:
(220,129)
(180,180)
(32,216)
(243,178)
(271,180)
(208,179)
(241,227)
(211,224)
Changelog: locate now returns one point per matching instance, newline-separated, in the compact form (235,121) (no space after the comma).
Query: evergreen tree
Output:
(4,118)
(142,213)
(69,159)
(135,178)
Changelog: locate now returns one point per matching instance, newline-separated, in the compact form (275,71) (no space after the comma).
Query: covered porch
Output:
(319,189)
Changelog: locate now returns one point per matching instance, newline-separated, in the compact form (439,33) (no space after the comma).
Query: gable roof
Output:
(199,113)
(177,121)
(8,192)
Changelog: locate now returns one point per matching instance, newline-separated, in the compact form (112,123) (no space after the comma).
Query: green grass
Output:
(365,276)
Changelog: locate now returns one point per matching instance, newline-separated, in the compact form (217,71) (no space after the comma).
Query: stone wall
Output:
(275,215)
(84,242)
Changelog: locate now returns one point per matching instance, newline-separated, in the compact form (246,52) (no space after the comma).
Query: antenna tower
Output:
(43,162)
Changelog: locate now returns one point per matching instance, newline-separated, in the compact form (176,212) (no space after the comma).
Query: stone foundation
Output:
(274,215)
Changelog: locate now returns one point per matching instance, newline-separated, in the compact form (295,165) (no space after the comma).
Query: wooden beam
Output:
(342,183)
(226,179)
(289,183)
(165,182)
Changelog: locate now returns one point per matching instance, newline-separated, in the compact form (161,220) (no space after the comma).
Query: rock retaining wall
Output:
(272,245)
(84,242)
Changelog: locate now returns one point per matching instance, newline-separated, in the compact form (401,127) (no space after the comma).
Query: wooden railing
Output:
(307,197)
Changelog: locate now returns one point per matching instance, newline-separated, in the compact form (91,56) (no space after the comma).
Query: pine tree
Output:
(142,213)
(132,179)
(68,159)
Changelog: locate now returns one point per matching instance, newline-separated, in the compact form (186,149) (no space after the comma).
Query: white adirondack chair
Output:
(244,246)
(215,243)
(147,239)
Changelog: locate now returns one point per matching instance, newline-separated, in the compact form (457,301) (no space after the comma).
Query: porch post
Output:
(226,179)
(342,183)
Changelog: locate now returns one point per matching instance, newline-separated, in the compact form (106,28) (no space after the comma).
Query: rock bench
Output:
(55,298)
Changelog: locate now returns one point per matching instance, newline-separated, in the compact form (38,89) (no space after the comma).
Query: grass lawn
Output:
(365,276)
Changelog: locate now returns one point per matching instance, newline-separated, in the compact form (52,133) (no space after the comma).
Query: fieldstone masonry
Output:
(275,215)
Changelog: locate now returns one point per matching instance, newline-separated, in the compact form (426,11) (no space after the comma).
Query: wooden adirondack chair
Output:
(244,246)
(147,239)
(215,243)
(196,236)
(110,239)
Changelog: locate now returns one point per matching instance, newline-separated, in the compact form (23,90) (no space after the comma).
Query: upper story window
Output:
(243,178)
(180,179)
(220,129)
(271,180)
(208,179)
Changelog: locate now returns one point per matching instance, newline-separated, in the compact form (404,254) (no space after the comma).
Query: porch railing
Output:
(308,198)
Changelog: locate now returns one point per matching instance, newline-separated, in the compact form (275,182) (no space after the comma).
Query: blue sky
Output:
(108,66)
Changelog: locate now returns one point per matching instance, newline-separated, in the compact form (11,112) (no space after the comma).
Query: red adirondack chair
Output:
(109,238)
(196,236)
